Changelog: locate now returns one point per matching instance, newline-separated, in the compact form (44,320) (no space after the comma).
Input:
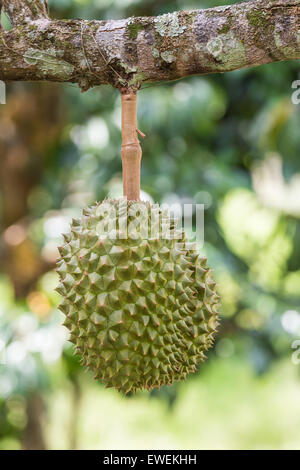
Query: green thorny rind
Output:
(140,311)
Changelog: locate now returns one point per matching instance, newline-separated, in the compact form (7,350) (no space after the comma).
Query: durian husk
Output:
(141,310)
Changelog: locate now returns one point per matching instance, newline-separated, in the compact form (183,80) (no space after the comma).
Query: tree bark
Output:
(23,11)
(33,437)
(128,53)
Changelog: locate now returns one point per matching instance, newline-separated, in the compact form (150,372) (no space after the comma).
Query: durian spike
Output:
(131,151)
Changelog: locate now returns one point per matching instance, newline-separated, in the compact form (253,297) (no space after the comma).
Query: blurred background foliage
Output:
(229,141)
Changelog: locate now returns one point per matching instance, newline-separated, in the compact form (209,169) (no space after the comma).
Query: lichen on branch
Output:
(128,53)
(23,11)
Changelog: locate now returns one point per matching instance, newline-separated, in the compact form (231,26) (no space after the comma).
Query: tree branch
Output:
(23,11)
(128,53)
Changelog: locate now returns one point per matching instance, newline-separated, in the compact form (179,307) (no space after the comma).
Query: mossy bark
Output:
(128,53)
(22,11)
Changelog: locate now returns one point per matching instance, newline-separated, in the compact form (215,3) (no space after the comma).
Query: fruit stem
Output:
(131,151)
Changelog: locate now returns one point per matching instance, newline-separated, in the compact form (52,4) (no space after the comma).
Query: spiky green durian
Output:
(141,305)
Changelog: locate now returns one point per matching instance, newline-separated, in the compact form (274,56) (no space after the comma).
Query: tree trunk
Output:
(33,438)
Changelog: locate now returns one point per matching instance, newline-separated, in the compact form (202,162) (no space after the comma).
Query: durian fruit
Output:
(143,309)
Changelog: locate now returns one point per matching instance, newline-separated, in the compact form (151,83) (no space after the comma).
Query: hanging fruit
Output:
(140,304)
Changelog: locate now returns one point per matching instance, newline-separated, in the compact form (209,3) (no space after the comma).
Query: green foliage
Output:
(229,141)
